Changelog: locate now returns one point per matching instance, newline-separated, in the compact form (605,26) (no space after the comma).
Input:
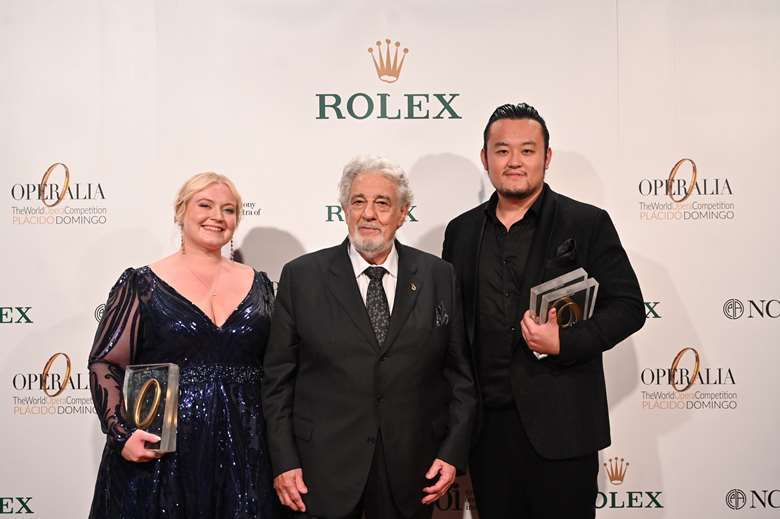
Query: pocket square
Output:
(440,315)
(567,249)
(565,255)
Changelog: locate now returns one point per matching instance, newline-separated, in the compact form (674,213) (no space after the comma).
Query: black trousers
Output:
(377,501)
(511,481)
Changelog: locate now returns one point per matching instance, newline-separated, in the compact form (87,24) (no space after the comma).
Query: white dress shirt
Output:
(389,280)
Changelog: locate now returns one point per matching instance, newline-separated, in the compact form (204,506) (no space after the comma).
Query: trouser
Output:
(512,481)
(377,501)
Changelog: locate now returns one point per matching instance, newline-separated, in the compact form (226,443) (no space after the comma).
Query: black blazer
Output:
(329,389)
(562,400)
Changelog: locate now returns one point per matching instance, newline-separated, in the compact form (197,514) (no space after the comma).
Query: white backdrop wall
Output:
(136,97)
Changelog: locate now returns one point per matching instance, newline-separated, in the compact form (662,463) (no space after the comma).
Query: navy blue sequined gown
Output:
(220,468)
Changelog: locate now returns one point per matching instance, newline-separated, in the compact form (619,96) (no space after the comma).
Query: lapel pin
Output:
(413,286)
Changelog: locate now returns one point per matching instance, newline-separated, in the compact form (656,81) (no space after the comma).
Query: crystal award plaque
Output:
(573,303)
(152,400)
(570,278)
(573,295)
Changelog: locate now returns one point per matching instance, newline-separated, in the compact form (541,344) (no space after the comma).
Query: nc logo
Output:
(733,308)
(736,499)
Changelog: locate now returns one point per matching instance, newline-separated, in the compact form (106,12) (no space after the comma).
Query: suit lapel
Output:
(406,290)
(541,241)
(343,285)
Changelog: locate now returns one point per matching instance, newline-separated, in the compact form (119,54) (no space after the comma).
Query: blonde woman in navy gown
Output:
(210,316)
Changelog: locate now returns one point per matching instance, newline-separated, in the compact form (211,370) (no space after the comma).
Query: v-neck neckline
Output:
(199,310)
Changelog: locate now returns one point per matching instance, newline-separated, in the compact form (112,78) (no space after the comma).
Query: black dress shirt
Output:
(501,306)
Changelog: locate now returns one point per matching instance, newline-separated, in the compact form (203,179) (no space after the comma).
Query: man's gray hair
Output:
(386,167)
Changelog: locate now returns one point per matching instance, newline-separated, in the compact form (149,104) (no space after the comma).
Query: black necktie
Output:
(376,303)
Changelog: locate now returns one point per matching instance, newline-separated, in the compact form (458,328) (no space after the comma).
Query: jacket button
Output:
(370,440)
(379,399)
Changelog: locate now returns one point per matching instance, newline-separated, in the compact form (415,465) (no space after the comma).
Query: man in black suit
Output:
(368,392)
(542,420)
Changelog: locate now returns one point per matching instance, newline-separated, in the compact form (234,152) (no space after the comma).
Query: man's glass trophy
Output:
(152,401)
(573,295)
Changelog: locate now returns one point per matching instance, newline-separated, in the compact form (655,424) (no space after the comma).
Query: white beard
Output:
(369,246)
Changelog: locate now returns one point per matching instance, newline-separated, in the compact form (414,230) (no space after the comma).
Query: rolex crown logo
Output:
(388,67)
(616,470)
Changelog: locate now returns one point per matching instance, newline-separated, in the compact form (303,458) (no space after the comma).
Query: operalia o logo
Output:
(684,377)
(684,195)
(56,200)
(60,382)
(387,61)
(53,382)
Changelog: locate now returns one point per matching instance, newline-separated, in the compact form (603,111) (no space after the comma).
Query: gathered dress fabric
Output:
(220,468)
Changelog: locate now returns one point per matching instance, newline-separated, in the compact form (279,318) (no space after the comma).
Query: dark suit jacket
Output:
(562,400)
(329,389)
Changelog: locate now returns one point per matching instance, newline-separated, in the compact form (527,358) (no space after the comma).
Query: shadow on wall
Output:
(268,249)
(571,174)
(668,331)
(444,185)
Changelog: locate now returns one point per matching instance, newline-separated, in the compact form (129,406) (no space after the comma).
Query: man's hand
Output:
(542,338)
(446,474)
(289,486)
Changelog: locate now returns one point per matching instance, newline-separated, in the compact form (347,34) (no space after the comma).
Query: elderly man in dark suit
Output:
(368,391)
(542,420)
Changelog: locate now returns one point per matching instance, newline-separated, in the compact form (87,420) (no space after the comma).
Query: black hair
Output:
(518,111)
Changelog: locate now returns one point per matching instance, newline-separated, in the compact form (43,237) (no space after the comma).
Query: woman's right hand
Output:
(135,447)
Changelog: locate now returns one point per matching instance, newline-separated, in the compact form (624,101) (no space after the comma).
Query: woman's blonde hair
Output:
(197,183)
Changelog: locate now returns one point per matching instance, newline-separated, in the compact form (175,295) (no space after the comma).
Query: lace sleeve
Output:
(113,349)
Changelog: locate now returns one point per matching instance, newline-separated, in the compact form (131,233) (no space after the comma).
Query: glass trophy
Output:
(573,295)
(574,303)
(570,278)
(152,401)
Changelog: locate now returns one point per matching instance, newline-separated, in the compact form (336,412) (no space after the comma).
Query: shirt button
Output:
(506,293)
